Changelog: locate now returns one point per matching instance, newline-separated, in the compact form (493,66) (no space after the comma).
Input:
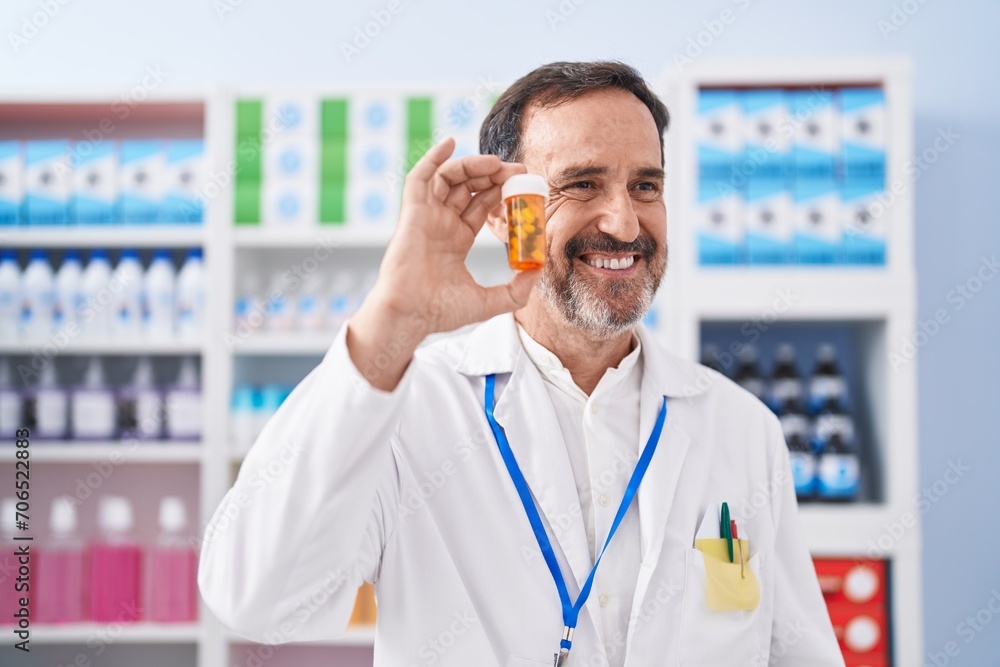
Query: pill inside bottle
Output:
(524,199)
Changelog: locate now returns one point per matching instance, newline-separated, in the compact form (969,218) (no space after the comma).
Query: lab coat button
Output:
(603,499)
(603,600)
(593,408)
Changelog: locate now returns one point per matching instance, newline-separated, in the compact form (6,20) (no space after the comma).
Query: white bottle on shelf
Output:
(93,406)
(242,417)
(39,297)
(279,305)
(310,313)
(97,314)
(341,300)
(69,291)
(10,295)
(191,296)
(140,404)
(183,418)
(11,403)
(249,309)
(158,296)
(127,322)
(49,406)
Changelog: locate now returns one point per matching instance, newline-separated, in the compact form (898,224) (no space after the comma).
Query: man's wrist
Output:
(381,344)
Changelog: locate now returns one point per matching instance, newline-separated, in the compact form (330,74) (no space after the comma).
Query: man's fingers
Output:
(479,207)
(460,195)
(471,173)
(462,169)
(425,168)
(507,298)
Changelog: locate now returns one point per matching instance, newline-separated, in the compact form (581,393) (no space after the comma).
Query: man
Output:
(477,480)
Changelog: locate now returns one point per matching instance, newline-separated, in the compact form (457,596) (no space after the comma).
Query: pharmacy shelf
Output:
(881,300)
(154,451)
(794,292)
(118,633)
(357,635)
(189,112)
(114,236)
(57,345)
(328,236)
(858,530)
(263,343)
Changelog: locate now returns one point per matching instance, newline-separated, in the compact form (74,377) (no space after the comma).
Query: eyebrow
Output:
(578,172)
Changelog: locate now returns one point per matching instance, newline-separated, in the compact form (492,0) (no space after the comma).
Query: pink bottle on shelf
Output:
(115,565)
(172,568)
(60,564)
(9,597)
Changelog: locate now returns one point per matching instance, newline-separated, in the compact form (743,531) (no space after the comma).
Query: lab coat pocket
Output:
(721,617)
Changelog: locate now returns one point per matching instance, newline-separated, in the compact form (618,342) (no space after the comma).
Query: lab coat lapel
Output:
(527,416)
(525,412)
(656,494)
(662,376)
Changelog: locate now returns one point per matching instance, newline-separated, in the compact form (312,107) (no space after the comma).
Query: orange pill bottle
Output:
(524,199)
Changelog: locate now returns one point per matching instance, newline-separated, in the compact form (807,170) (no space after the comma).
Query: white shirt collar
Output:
(553,371)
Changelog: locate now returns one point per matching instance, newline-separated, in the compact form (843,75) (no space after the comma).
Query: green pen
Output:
(725,529)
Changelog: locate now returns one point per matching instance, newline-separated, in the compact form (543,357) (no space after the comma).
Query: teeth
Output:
(613,264)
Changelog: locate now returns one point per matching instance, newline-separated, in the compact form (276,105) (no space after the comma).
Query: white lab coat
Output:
(407,489)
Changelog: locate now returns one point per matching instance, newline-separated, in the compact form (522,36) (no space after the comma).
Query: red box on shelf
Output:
(855,594)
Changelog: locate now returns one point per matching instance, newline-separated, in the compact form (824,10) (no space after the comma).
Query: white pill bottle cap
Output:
(525,184)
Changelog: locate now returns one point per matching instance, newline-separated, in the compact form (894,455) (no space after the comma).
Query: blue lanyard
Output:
(570,611)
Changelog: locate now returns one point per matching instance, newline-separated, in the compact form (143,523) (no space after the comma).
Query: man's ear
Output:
(498,223)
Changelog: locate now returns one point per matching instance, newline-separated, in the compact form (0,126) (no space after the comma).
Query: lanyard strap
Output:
(570,611)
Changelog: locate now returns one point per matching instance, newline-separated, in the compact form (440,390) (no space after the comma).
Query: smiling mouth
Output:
(610,261)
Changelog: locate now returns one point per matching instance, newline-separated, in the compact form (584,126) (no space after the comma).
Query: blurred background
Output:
(195,195)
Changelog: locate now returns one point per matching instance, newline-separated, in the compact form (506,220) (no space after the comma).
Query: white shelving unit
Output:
(102,347)
(44,116)
(114,236)
(136,633)
(355,636)
(881,299)
(690,295)
(152,451)
(264,343)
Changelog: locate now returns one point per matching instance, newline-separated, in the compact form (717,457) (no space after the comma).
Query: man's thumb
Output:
(507,298)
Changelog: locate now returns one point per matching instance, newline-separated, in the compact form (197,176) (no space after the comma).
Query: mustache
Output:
(644,246)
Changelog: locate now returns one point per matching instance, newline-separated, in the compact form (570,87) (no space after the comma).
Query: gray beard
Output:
(580,306)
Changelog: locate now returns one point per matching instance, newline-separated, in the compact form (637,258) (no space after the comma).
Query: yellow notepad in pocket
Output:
(726,589)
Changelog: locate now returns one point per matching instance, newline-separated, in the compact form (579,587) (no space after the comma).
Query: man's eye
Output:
(648,186)
(581,185)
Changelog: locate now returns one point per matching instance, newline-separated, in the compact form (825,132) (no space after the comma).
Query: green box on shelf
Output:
(419,129)
(249,118)
(333,203)
(333,119)
(419,122)
(333,161)
(249,158)
(246,204)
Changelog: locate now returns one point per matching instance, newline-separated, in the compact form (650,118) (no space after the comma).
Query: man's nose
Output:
(618,217)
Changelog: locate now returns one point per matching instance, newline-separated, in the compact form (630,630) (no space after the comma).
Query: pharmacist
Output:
(477,479)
